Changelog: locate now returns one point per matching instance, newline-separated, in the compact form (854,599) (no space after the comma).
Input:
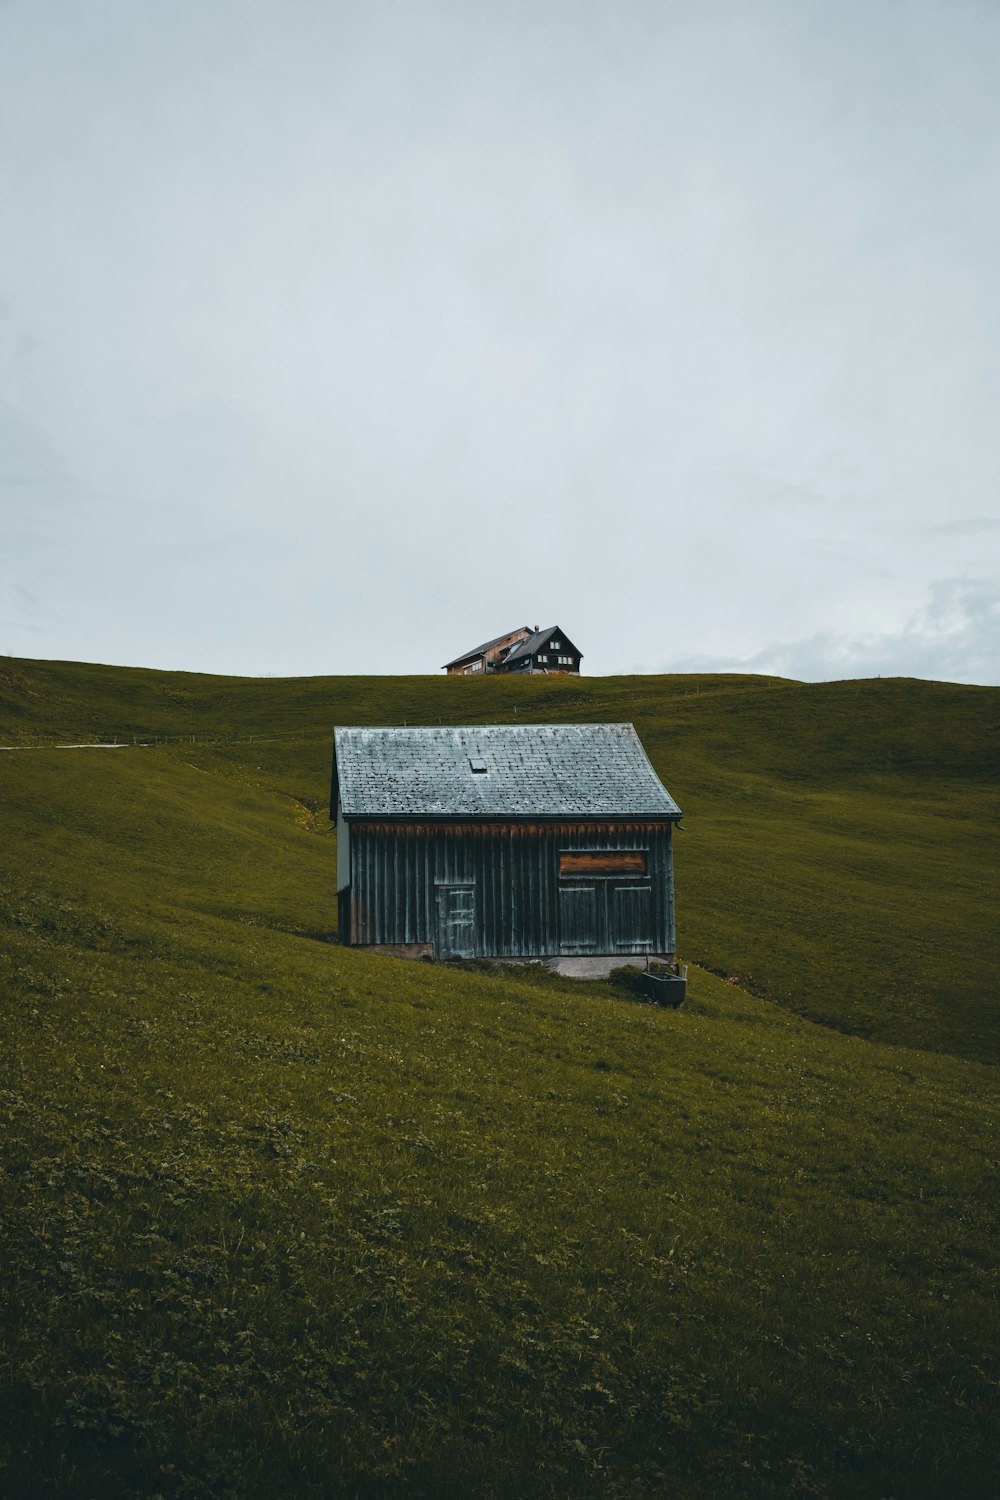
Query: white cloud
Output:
(955,637)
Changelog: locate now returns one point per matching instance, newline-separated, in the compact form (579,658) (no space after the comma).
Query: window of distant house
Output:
(477,666)
(543,658)
(555,645)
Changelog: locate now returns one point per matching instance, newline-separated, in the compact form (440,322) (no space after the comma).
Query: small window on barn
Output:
(603,862)
(477,666)
(556,645)
(478,766)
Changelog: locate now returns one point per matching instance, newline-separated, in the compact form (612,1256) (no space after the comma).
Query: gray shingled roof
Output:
(533,771)
(481,650)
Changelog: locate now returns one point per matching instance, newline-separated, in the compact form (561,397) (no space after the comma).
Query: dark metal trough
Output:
(667,987)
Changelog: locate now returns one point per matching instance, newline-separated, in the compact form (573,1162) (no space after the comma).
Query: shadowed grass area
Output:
(283,1218)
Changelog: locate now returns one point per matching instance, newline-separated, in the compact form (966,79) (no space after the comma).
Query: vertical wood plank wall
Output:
(396,869)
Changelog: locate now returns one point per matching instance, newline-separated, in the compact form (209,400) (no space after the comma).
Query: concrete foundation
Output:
(588,966)
(600,965)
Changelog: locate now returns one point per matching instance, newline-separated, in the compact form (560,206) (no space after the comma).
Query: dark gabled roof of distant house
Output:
(486,646)
(531,771)
(534,643)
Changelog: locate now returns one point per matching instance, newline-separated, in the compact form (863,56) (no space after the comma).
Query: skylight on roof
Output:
(478,765)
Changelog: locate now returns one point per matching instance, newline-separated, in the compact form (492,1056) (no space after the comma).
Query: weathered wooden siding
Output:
(487,655)
(522,906)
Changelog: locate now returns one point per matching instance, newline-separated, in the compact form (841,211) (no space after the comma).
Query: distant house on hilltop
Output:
(501,840)
(521,650)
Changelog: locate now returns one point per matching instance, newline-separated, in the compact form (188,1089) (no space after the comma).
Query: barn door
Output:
(606,917)
(456,921)
(578,919)
(630,914)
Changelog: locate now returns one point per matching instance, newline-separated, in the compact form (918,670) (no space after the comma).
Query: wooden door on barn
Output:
(608,916)
(456,921)
(630,909)
(579,925)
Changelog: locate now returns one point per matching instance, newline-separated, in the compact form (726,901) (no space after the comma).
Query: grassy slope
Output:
(280,1217)
(841,842)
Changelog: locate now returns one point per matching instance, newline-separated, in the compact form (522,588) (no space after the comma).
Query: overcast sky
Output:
(340,337)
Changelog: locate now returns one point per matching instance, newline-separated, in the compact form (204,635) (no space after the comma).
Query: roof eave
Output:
(512,817)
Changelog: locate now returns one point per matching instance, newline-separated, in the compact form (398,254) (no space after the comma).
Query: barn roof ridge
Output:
(514,724)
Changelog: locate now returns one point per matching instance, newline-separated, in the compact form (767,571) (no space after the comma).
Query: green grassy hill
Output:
(841,838)
(279,1217)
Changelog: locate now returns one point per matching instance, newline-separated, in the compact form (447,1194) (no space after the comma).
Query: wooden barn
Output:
(508,841)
